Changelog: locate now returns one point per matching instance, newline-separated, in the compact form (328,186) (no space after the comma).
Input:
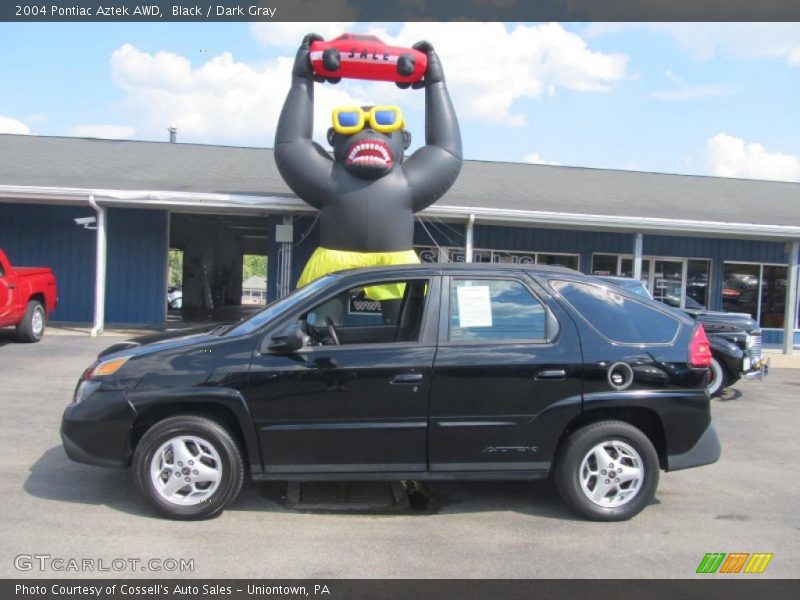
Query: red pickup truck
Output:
(27,297)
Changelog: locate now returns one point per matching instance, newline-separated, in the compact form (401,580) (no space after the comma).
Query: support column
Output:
(469,244)
(284,234)
(790,313)
(100,271)
(637,256)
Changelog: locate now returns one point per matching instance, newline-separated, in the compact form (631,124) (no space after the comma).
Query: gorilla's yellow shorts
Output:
(325,261)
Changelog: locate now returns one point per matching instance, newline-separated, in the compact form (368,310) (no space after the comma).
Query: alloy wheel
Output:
(186,470)
(611,473)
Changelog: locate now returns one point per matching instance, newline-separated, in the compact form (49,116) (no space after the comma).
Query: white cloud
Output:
(685,91)
(219,101)
(535,158)
(289,35)
(226,101)
(489,67)
(9,125)
(730,156)
(112,132)
(705,40)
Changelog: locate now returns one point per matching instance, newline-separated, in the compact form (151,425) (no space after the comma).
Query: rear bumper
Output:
(707,450)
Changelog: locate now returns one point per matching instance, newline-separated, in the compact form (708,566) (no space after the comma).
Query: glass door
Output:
(668,281)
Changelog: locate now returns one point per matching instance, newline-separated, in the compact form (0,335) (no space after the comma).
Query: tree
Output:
(253,265)
(176,267)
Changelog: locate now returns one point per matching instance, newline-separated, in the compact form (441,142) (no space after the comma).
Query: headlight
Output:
(105,368)
(85,389)
(90,380)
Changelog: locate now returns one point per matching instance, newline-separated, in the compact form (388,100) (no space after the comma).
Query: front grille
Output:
(755,347)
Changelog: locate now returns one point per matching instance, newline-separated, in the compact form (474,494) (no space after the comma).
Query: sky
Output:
(691,98)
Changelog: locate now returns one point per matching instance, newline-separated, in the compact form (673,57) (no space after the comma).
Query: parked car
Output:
(735,338)
(28,295)
(174,298)
(467,372)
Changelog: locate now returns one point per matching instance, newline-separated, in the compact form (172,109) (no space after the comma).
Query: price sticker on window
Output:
(474,306)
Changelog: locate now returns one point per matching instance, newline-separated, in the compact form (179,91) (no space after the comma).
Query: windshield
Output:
(271,311)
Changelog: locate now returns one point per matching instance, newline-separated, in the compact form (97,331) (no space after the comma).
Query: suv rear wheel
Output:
(188,467)
(607,471)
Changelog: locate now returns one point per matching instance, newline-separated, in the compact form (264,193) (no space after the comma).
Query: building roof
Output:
(496,192)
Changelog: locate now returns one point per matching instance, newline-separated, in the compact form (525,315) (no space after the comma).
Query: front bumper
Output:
(757,370)
(707,450)
(96,430)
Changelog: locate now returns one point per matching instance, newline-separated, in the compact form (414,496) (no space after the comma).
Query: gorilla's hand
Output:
(434,72)
(302,60)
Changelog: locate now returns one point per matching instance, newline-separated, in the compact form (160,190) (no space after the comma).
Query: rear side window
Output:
(494,310)
(616,317)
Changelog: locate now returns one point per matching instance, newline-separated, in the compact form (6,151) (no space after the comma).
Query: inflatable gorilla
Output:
(366,194)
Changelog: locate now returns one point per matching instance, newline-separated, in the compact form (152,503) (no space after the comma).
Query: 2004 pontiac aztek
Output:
(418,372)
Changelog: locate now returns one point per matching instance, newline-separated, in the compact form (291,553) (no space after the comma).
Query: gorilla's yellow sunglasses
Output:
(348,120)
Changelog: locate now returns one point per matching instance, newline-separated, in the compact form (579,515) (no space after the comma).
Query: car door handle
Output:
(551,374)
(406,378)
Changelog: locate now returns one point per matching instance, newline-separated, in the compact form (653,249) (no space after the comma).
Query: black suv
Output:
(735,338)
(410,373)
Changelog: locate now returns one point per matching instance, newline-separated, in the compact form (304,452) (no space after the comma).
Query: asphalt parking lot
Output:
(747,502)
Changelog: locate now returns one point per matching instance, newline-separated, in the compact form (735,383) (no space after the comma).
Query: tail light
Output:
(699,349)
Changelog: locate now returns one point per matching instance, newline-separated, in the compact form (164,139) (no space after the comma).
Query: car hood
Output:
(714,321)
(176,338)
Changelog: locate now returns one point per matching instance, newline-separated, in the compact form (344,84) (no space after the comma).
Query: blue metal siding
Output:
(136,285)
(46,236)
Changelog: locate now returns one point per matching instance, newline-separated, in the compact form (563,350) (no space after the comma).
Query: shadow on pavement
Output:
(54,477)
(729,394)
(8,336)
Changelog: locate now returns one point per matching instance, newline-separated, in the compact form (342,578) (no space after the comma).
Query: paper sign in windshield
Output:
(474,306)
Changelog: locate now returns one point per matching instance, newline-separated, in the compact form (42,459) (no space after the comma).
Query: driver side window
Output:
(380,313)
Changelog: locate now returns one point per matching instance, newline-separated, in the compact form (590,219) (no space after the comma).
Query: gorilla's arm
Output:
(303,164)
(432,169)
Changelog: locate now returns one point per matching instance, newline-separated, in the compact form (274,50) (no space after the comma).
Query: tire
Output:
(34,321)
(579,457)
(717,377)
(202,443)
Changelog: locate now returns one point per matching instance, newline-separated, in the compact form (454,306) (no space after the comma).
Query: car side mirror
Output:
(291,339)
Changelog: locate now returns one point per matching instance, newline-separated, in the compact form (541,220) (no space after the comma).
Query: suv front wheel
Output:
(188,467)
(607,471)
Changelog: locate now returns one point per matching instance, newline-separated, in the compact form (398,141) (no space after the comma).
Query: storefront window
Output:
(561,260)
(773,295)
(604,264)
(520,258)
(697,278)
(758,290)
(482,255)
(427,254)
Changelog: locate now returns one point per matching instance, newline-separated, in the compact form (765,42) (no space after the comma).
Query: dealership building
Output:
(104,215)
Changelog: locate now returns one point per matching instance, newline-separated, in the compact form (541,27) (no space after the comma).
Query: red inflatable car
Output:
(357,56)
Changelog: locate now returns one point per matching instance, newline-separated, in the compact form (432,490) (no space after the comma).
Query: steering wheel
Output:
(332,331)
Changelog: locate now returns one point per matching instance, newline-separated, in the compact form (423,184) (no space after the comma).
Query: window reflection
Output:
(758,290)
